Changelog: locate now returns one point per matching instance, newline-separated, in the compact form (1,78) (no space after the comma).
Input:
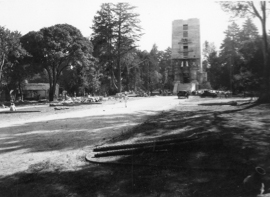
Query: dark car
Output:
(208,94)
(183,93)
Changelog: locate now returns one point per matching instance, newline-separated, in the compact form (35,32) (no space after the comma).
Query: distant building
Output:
(186,55)
(38,91)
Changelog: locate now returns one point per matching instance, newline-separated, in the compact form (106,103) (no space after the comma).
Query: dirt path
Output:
(63,137)
(43,154)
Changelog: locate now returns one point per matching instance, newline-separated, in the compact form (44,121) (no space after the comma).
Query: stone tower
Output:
(186,55)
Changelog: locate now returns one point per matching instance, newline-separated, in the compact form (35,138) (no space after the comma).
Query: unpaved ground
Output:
(62,137)
(43,155)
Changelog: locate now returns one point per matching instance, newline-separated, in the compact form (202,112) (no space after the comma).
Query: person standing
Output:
(12,107)
(125,98)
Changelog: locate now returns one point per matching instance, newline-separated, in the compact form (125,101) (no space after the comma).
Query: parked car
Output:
(208,94)
(183,93)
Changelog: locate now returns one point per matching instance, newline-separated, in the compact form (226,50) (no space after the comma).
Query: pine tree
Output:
(249,75)
(249,37)
(116,30)
(230,53)
(259,10)
(128,32)
(164,68)
(103,39)
(249,31)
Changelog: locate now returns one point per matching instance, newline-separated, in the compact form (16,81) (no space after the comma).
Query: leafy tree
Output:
(11,56)
(250,8)
(80,80)
(57,48)
(90,77)
(17,75)
(142,71)
(208,48)
(164,66)
(154,75)
(130,62)
(217,72)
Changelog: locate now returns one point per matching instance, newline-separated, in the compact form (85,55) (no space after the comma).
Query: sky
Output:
(156,17)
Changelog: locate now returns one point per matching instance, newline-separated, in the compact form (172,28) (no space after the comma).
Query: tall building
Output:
(186,55)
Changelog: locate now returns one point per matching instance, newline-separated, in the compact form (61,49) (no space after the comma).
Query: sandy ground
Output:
(43,153)
(63,137)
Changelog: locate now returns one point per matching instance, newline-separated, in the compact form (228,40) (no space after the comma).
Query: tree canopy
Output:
(258,10)
(57,48)
(11,52)
(238,66)
(116,30)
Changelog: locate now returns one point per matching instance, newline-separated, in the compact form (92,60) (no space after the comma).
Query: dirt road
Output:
(63,137)
(43,153)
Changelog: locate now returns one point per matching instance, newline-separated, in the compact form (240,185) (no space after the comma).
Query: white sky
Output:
(156,17)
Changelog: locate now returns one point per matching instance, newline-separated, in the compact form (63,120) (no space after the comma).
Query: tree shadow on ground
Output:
(211,171)
(60,134)
(197,173)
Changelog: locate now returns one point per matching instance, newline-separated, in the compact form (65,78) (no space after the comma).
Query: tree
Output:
(11,53)
(216,71)
(164,66)
(249,76)
(141,71)
(229,53)
(17,75)
(208,48)
(154,75)
(249,31)
(128,32)
(57,48)
(116,29)
(250,8)
(130,63)
(248,38)
(80,80)
(103,39)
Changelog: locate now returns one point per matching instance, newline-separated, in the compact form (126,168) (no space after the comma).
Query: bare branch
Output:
(256,11)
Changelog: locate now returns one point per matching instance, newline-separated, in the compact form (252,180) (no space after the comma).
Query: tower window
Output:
(185,47)
(185,34)
(185,27)
(186,78)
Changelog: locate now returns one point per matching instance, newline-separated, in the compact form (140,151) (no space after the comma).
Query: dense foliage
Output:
(110,61)
(115,32)
(56,49)
(259,10)
(238,65)
(13,69)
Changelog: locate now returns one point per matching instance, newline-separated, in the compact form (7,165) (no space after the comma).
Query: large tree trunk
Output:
(119,75)
(265,88)
(52,83)
(21,91)
(52,92)
(128,81)
(1,67)
(119,59)
(55,77)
